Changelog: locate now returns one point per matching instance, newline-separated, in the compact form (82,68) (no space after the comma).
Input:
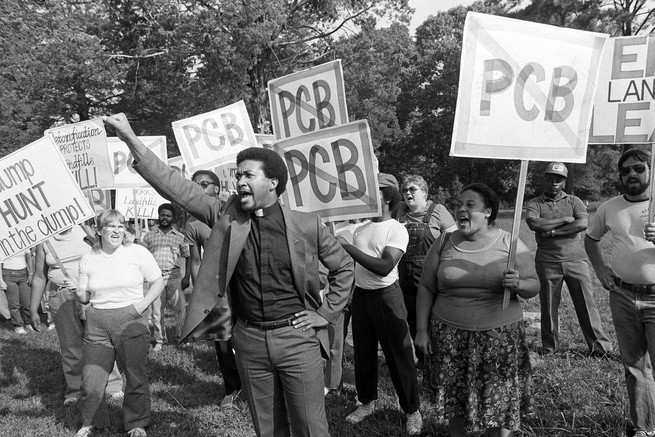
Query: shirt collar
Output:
(272,211)
(560,196)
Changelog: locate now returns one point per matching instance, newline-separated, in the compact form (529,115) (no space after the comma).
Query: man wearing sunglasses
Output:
(630,278)
(556,219)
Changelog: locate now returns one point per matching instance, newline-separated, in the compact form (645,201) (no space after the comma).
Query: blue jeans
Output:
(70,331)
(282,376)
(576,275)
(18,296)
(634,320)
(119,335)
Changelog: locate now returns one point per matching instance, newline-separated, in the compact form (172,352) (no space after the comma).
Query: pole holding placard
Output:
(651,188)
(57,260)
(516,224)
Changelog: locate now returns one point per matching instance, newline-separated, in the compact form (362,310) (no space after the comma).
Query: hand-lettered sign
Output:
(84,147)
(625,96)
(139,202)
(525,90)
(308,101)
(214,138)
(38,197)
(332,172)
(121,160)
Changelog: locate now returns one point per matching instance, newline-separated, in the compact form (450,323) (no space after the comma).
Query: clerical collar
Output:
(274,209)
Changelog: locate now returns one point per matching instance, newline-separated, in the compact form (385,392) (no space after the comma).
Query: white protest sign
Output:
(525,90)
(214,138)
(121,160)
(38,197)
(177,162)
(308,101)
(147,201)
(332,172)
(625,96)
(84,147)
(100,199)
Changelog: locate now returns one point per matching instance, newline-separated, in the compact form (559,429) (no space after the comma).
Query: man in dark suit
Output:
(265,259)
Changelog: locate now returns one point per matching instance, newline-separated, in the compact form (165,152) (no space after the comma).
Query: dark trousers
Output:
(228,366)
(380,316)
(282,374)
(119,334)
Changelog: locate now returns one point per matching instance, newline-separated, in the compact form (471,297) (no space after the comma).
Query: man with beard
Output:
(630,278)
(196,234)
(167,245)
(260,272)
(557,218)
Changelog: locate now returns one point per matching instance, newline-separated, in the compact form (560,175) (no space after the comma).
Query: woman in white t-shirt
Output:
(111,279)
(15,279)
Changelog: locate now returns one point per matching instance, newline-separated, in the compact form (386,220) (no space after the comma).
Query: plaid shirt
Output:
(167,248)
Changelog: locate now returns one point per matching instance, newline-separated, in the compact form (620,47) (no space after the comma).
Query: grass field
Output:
(574,395)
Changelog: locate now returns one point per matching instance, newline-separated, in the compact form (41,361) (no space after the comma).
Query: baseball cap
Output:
(557,168)
(387,180)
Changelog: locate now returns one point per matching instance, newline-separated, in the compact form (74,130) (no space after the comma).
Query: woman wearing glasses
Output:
(111,278)
(425,222)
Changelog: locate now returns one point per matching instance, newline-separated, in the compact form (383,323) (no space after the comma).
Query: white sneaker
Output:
(361,412)
(414,423)
(85,431)
(51,326)
(20,330)
(157,348)
(137,432)
(69,402)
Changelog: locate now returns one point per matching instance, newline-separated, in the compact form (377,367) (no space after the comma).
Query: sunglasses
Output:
(638,168)
(205,184)
(409,190)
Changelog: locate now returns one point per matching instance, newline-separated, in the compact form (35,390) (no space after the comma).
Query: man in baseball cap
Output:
(557,218)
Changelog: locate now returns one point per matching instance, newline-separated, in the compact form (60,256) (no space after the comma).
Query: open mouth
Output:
(462,219)
(245,195)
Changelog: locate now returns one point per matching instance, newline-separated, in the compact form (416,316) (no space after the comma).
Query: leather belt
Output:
(266,326)
(635,288)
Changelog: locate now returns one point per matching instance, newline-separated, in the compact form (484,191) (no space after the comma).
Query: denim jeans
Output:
(119,335)
(634,320)
(70,331)
(18,296)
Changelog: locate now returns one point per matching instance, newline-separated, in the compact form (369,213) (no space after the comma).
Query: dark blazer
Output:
(209,315)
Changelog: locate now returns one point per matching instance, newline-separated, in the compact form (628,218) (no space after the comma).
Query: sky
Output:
(425,8)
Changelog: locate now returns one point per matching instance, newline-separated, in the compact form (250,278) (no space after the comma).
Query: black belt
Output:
(635,288)
(266,326)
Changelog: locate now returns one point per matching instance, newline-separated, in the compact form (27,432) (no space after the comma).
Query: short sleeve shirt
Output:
(371,238)
(561,248)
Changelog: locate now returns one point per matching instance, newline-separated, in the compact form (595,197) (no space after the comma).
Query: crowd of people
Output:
(274,290)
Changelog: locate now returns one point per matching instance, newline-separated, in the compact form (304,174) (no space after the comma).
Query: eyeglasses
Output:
(409,190)
(205,184)
(638,168)
(112,228)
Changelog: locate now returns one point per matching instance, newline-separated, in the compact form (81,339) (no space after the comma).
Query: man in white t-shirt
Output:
(378,310)
(630,278)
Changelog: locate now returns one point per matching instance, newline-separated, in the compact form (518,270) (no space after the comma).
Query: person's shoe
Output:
(115,399)
(137,432)
(231,399)
(157,348)
(361,412)
(85,431)
(20,330)
(414,423)
(28,328)
(51,326)
(70,402)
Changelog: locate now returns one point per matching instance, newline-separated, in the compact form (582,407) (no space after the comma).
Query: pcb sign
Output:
(332,172)
(525,90)
(625,97)
(308,101)
(214,138)
(38,197)
(121,160)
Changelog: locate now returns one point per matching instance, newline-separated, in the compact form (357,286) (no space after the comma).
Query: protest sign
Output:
(139,202)
(214,138)
(38,197)
(332,172)
(525,90)
(178,164)
(308,101)
(84,147)
(625,96)
(100,199)
(121,160)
